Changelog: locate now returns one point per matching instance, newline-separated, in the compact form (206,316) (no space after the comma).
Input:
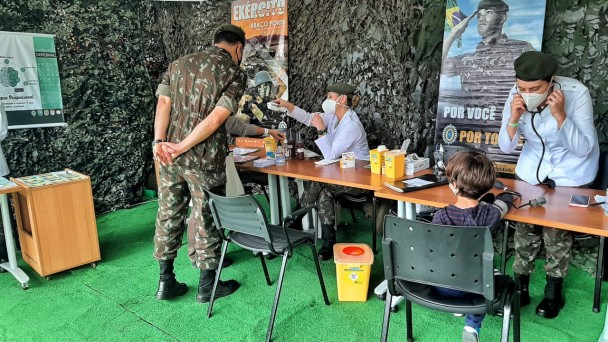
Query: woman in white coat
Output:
(339,131)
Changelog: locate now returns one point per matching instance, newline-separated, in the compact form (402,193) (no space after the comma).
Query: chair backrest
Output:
(459,258)
(240,214)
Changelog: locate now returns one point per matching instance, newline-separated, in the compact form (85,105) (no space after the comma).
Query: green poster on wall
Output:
(30,89)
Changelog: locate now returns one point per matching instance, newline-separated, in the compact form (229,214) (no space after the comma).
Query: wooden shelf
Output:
(56,221)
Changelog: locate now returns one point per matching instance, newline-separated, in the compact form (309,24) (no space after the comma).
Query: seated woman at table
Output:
(339,131)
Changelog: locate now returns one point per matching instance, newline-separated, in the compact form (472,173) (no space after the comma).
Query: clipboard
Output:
(419,183)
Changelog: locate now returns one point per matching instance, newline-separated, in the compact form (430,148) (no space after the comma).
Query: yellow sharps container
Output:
(353,266)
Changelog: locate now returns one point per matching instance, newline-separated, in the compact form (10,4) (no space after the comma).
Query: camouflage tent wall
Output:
(112,53)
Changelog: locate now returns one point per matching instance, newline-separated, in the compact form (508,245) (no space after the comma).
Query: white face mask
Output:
(329,106)
(452,187)
(533,100)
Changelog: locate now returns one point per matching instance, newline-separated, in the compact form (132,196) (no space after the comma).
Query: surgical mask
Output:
(452,187)
(533,100)
(329,106)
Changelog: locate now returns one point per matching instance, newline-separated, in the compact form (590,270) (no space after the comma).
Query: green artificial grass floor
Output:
(115,301)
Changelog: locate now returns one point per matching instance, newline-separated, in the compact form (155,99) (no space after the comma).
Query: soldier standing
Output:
(197,94)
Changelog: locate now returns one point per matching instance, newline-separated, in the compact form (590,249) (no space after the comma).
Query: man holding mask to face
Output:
(555,115)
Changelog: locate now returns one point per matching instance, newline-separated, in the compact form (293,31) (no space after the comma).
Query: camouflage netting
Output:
(391,49)
(107,95)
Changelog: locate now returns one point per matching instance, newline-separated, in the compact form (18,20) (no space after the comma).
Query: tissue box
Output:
(376,160)
(394,162)
(416,165)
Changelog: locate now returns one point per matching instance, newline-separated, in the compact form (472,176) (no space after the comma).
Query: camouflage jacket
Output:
(196,84)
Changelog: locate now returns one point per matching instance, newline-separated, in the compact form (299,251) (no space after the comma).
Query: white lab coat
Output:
(571,152)
(347,135)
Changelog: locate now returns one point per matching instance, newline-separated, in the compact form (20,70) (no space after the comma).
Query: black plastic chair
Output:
(356,201)
(419,256)
(241,221)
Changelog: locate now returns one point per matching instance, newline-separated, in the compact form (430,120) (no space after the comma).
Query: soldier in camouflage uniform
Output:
(197,94)
(555,116)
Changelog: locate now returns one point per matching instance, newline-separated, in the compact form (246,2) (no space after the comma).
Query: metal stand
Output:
(11,265)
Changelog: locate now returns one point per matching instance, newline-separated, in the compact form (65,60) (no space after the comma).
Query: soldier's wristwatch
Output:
(156,141)
(322,132)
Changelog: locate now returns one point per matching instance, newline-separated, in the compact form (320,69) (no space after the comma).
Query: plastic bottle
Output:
(279,156)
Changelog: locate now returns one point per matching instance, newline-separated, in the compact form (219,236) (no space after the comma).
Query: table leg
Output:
(598,276)
(274,199)
(11,265)
(284,193)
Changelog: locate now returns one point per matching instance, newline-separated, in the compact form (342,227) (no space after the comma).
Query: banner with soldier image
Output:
(482,39)
(265,59)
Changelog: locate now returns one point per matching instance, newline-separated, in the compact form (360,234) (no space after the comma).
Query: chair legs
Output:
(374,248)
(319,274)
(273,314)
(505,248)
(506,319)
(387,317)
(408,318)
(217,278)
(263,260)
(516,317)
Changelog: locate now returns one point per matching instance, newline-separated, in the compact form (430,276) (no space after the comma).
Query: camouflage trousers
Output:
(323,195)
(176,187)
(527,240)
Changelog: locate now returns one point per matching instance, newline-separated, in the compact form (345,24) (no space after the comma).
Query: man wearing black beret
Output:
(489,69)
(555,116)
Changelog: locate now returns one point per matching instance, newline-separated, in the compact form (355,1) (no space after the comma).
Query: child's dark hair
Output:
(472,173)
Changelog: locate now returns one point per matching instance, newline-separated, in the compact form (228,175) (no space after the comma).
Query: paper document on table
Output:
(417,182)
(239,151)
(310,154)
(6,184)
(324,162)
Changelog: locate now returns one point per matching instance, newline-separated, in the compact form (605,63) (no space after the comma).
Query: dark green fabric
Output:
(341,88)
(535,65)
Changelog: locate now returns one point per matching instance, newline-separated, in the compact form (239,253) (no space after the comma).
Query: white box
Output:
(416,165)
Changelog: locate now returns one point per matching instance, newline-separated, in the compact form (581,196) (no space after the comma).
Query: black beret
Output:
(497,5)
(534,66)
(341,89)
(230,28)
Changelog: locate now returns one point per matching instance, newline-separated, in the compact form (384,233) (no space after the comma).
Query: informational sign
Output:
(265,58)
(30,90)
(482,39)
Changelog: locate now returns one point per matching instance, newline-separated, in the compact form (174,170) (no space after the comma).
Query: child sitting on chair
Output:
(470,175)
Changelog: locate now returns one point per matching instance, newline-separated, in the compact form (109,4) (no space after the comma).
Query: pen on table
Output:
(598,203)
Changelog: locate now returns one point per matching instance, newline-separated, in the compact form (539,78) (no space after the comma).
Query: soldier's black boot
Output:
(550,306)
(205,286)
(326,251)
(168,287)
(523,282)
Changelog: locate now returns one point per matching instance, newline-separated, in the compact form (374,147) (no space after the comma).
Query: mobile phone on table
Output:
(579,201)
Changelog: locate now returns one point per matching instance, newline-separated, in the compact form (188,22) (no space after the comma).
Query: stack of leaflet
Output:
(263,162)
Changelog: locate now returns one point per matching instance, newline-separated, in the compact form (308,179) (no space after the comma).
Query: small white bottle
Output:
(279,157)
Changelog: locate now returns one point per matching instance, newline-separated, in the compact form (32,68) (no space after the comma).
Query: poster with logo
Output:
(30,90)
(264,60)
(482,39)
